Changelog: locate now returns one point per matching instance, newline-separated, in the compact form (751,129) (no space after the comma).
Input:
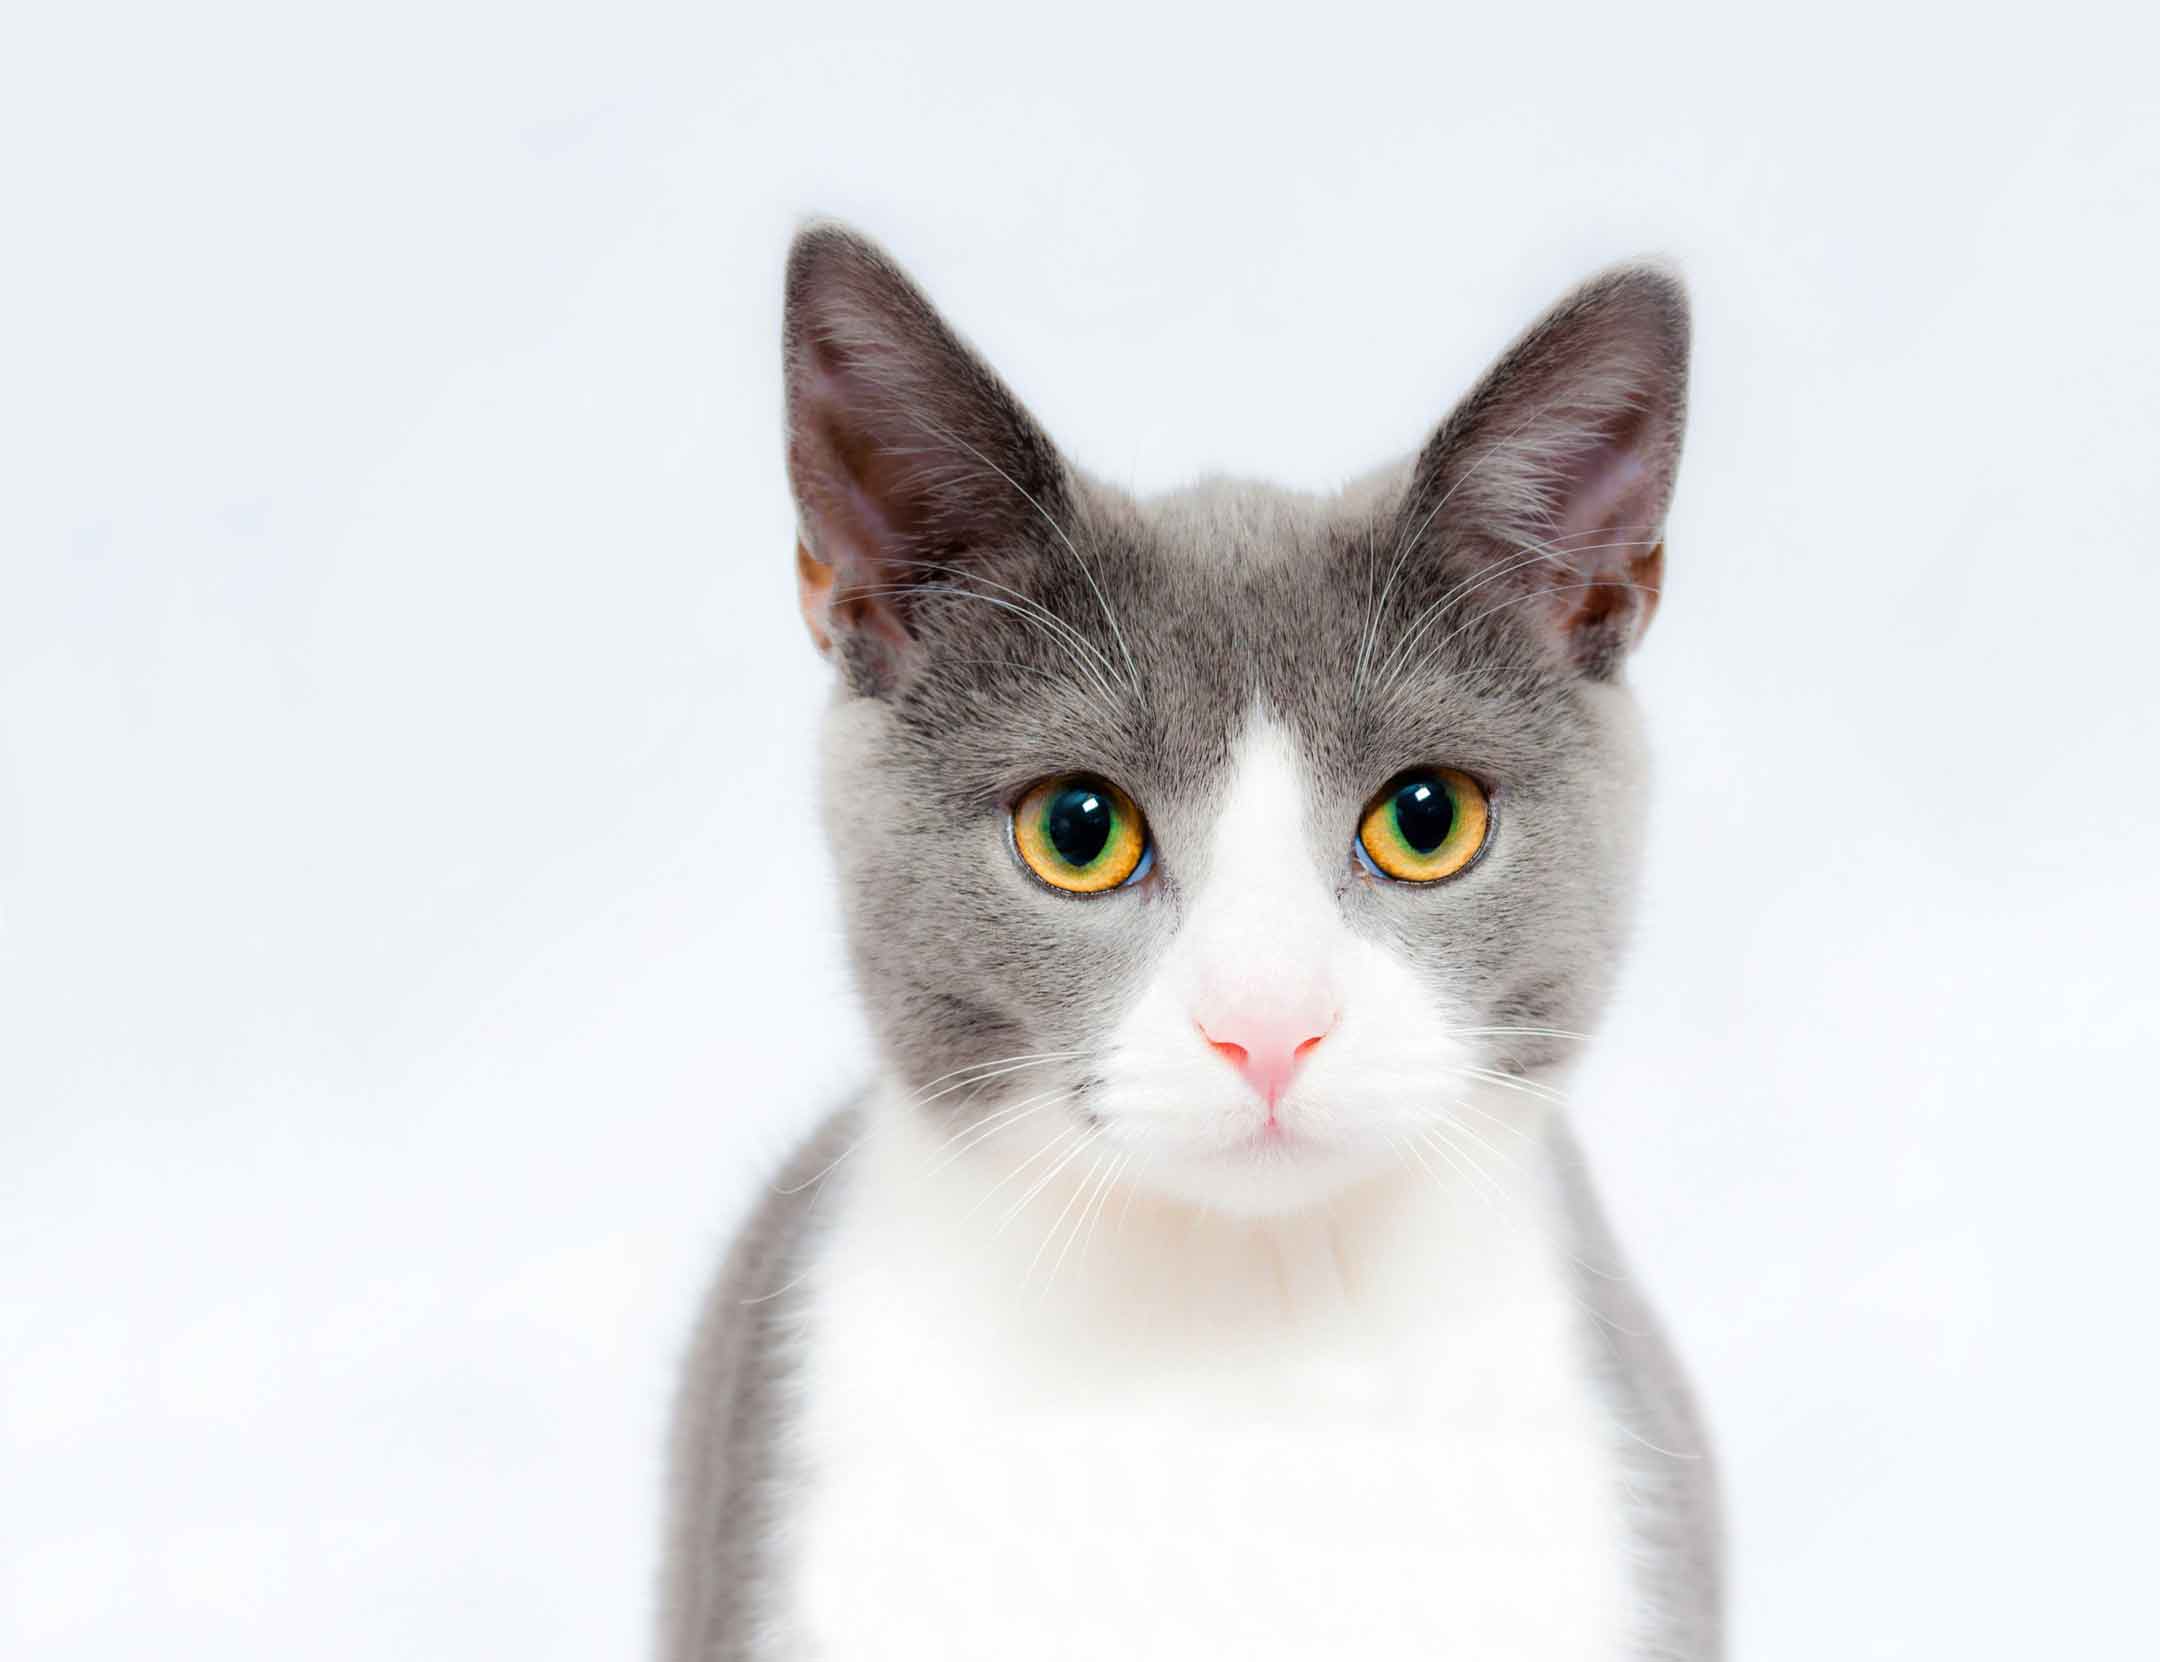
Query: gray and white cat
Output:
(1229,878)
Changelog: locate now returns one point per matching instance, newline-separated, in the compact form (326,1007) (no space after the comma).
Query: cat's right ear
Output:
(908,457)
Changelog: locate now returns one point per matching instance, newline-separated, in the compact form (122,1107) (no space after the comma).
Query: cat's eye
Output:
(1428,824)
(1081,834)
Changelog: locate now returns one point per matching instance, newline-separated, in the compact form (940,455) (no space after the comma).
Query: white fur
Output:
(1198,1396)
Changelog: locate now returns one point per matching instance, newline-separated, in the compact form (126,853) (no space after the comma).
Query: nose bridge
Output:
(1265,919)
(1263,965)
(1264,930)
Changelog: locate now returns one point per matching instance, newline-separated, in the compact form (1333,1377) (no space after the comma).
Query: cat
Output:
(1230,879)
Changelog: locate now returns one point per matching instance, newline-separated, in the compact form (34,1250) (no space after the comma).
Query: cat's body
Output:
(1179,1520)
(1124,1316)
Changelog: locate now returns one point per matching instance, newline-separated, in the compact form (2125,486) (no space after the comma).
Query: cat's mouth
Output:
(1272,1137)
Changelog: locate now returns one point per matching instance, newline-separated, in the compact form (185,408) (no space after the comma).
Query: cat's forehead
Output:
(1232,571)
(1235,598)
(1310,606)
(1224,603)
(1229,527)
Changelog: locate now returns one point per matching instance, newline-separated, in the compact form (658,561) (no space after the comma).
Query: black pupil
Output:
(1078,823)
(1425,814)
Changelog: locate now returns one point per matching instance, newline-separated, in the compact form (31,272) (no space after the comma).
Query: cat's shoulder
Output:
(731,1396)
(1673,1477)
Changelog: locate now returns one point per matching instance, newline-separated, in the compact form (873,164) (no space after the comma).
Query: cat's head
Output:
(1268,841)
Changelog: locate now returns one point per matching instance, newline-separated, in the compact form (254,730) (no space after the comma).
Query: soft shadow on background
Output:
(414,943)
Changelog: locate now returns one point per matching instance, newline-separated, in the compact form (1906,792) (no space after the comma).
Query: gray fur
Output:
(999,616)
(725,1458)
(1677,1516)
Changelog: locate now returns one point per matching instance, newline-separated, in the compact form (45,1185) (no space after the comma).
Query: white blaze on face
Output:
(1275,1056)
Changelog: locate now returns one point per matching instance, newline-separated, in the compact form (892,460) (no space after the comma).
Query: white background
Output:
(414,944)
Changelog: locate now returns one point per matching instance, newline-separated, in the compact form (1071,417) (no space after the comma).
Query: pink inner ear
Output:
(863,500)
(866,503)
(1609,492)
(1603,588)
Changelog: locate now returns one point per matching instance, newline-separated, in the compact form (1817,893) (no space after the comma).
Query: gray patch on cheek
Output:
(1528,935)
(964,958)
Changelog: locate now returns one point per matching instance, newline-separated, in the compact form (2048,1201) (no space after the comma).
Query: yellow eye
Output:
(1428,825)
(1080,834)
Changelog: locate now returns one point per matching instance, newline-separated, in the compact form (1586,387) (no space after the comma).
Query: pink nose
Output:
(1267,1047)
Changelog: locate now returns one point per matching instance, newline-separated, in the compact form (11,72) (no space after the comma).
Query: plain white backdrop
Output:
(414,941)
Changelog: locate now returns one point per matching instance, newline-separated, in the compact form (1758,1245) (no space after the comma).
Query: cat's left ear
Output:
(1547,488)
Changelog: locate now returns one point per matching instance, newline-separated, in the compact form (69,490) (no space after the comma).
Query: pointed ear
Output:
(1553,477)
(907,455)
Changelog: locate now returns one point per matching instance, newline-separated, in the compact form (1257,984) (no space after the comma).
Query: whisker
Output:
(1086,571)
(1042,1182)
(1407,544)
(1536,594)
(1440,1143)
(1535,1032)
(1074,1199)
(1509,1081)
(992,1125)
(1410,1148)
(823,1173)
(1126,1210)
(1103,1203)
(1058,1141)
(1476,580)
(1669,1453)
(1000,1061)
(1093,1186)
(1035,606)
(945,591)
(1535,554)
(1507,1160)
(1504,1125)
(1016,1065)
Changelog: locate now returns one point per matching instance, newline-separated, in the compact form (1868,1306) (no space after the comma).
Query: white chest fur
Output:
(1371,1435)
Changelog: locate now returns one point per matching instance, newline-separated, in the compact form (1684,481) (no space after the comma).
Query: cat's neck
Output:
(1070,1237)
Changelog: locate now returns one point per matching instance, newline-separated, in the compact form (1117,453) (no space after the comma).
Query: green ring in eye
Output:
(1427,825)
(1079,834)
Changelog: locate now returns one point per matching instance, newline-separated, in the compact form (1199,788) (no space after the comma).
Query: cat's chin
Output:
(1263,1178)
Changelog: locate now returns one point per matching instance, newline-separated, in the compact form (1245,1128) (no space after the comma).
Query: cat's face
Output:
(1257,843)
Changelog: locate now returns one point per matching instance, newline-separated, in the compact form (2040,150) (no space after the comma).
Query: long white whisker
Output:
(824,1172)
(1036,607)
(1125,1211)
(1440,1143)
(1535,1032)
(1507,1160)
(1510,1082)
(1537,553)
(1538,594)
(1000,1061)
(1074,1199)
(996,1072)
(1102,1203)
(1059,1141)
(1410,1148)
(1403,549)
(980,1131)
(1088,1187)
(1497,1120)
(1085,570)
(1048,1176)
(945,591)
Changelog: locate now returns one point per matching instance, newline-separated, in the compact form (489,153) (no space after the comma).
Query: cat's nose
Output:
(1268,1044)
